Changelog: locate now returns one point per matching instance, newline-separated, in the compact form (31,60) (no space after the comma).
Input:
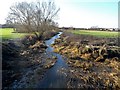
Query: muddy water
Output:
(52,78)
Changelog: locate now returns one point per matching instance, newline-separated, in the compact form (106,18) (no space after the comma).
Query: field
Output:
(107,34)
(8,33)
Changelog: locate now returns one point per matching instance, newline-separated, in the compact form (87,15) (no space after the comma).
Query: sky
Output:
(77,13)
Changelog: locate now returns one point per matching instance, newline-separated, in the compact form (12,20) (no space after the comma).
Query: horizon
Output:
(78,13)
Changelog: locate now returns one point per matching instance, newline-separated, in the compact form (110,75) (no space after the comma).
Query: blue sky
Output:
(78,13)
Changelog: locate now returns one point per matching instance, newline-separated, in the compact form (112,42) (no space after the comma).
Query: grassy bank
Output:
(8,33)
(107,34)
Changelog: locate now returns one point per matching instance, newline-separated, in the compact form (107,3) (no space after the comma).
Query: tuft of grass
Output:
(105,34)
(8,33)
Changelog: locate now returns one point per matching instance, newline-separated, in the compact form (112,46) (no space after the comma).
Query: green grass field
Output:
(104,34)
(7,33)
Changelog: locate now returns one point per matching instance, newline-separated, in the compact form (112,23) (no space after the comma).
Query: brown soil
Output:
(93,62)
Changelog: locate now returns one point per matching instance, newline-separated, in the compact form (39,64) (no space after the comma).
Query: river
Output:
(52,78)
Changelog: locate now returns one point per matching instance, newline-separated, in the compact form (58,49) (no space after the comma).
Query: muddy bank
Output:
(93,62)
(80,46)
(24,62)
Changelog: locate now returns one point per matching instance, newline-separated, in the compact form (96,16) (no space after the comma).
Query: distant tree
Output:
(36,17)
(94,28)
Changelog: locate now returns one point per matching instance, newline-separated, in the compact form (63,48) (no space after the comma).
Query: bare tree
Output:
(36,17)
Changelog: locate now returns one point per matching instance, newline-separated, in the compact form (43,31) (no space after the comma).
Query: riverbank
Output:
(24,62)
(93,62)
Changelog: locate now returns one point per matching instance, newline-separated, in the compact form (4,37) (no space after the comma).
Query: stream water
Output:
(52,78)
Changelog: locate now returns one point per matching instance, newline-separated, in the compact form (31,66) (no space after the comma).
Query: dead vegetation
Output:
(91,65)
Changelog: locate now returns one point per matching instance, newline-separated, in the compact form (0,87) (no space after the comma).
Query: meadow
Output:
(105,34)
(8,33)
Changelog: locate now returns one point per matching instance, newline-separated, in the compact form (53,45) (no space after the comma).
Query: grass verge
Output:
(8,33)
(105,34)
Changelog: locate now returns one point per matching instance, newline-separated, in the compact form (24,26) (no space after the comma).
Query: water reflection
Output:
(52,78)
